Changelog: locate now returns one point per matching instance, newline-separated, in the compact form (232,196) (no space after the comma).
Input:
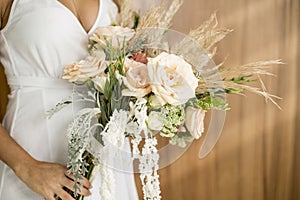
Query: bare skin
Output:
(46,179)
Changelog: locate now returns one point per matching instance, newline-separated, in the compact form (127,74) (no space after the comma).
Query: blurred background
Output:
(258,154)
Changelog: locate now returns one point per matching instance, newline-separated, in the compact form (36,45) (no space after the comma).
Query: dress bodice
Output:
(42,36)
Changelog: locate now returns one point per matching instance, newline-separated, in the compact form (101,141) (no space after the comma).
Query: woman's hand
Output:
(48,180)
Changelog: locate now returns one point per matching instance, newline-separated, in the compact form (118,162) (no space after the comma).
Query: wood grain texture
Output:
(258,155)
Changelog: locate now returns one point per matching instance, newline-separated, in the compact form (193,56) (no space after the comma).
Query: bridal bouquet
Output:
(146,82)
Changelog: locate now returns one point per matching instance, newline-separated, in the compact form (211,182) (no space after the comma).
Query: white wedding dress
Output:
(39,40)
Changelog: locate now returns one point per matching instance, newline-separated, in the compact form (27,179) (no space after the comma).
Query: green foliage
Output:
(207,102)
(58,107)
(137,18)
(111,98)
(136,46)
(174,116)
(181,139)
(234,90)
(242,79)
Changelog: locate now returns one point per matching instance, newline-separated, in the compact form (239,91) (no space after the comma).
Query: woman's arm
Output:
(4,7)
(46,179)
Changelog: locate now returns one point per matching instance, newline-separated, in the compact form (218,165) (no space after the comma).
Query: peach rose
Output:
(194,121)
(136,80)
(172,79)
(85,69)
(115,35)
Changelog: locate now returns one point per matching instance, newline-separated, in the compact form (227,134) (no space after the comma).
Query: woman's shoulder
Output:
(5,6)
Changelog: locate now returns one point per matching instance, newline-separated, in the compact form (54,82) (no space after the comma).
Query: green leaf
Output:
(107,90)
(242,79)
(234,91)
(208,102)
(136,21)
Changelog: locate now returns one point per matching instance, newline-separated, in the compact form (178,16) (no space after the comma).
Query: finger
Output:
(70,185)
(83,181)
(64,195)
(50,197)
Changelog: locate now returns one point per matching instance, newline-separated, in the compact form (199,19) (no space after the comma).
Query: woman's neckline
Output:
(87,32)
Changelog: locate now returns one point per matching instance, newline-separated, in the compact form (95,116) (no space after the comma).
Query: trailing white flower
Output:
(149,167)
(114,132)
(113,137)
(137,124)
(148,158)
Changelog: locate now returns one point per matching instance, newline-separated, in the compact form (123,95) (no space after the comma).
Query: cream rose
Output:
(194,121)
(115,35)
(85,69)
(172,79)
(136,80)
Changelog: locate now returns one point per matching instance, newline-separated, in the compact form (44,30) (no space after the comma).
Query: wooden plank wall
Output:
(258,155)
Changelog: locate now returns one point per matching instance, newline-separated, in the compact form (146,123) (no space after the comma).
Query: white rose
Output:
(137,79)
(115,35)
(155,121)
(85,69)
(194,121)
(172,79)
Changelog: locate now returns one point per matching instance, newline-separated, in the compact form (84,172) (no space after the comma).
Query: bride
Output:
(37,39)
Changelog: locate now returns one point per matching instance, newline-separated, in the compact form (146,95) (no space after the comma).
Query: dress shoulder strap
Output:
(20,8)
